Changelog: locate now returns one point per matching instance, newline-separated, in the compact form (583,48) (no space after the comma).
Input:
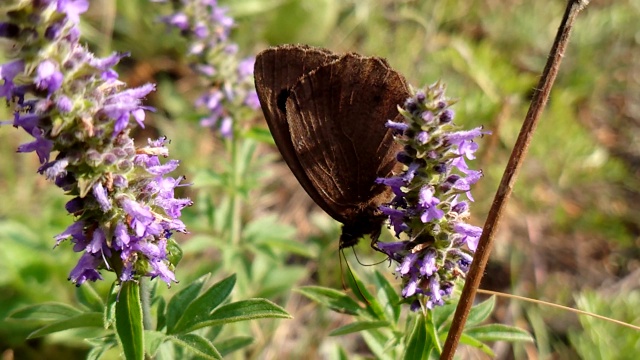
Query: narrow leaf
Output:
(92,319)
(197,345)
(481,312)
(499,332)
(392,295)
(358,326)
(180,301)
(334,299)
(129,326)
(161,318)
(443,315)
(419,344)
(241,311)
(377,344)
(201,307)
(260,134)
(88,297)
(232,344)
(110,309)
(153,340)
(468,340)
(100,345)
(45,312)
(372,305)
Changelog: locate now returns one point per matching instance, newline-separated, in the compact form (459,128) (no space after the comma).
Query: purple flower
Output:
(86,269)
(100,193)
(8,72)
(121,106)
(75,230)
(73,8)
(400,127)
(48,76)
(428,202)
(41,145)
(396,218)
(470,234)
(395,183)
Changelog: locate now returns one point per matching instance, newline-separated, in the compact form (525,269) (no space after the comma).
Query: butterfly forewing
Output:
(276,71)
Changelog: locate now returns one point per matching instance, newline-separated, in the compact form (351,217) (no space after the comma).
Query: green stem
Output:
(236,203)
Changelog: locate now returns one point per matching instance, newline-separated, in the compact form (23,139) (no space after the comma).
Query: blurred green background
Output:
(570,234)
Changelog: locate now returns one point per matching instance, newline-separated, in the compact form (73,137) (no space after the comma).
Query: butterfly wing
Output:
(336,116)
(276,71)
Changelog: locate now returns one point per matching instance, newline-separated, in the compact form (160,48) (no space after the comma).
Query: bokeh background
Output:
(570,234)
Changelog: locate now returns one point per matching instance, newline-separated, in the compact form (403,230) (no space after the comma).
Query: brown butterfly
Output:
(327,114)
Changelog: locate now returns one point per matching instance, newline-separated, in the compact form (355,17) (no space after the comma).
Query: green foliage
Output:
(180,324)
(599,339)
(417,335)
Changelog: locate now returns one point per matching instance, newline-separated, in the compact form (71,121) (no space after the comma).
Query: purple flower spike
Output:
(426,209)
(72,102)
(206,27)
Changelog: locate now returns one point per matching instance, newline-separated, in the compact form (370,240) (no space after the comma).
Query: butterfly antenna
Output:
(359,262)
(340,256)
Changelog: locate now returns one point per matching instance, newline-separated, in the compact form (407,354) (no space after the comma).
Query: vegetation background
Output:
(572,230)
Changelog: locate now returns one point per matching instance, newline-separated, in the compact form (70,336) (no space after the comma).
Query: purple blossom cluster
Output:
(431,199)
(79,113)
(206,26)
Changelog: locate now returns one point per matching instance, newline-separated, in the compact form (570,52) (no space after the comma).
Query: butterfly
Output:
(327,114)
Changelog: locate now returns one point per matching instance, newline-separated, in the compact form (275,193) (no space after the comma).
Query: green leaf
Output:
(373,307)
(129,328)
(499,332)
(45,312)
(207,178)
(419,344)
(468,340)
(201,307)
(332,298)
(442,315)
(96,352)
(358,326)
(241,311)
(260,134)
(197,345)
(161,318)
(91,319)
(110,309)
(181,300)
(100,345)
(88,297)
(481,312)
(391,293)
(232,344)
(153,340)
(377,342)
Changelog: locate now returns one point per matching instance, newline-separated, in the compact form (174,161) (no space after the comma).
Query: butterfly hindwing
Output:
(336,116)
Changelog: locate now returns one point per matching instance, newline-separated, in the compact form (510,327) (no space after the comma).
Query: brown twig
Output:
(540,97)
